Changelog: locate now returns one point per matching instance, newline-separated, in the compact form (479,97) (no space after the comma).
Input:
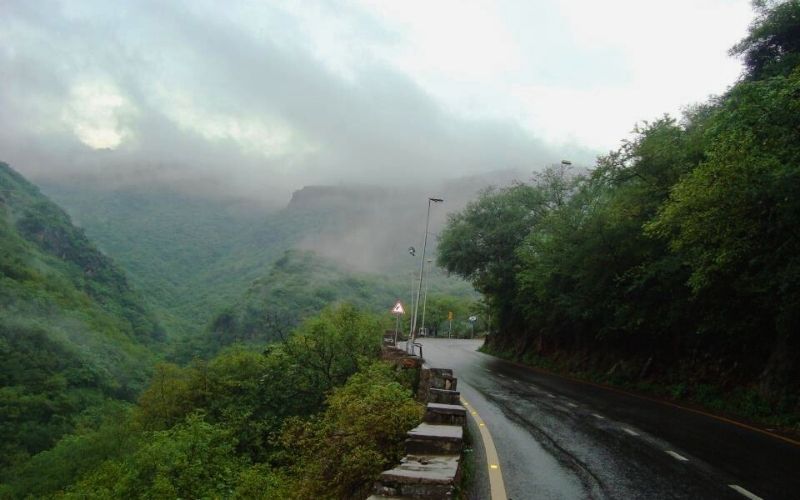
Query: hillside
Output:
(193,255)
(175,247)
(301,284)
(298,285)
(74,335)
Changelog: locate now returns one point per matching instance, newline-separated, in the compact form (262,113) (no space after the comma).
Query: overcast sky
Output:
(269,96)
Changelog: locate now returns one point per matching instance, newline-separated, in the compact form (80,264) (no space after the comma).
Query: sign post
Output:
(472,320)
(450,320)
(398,311)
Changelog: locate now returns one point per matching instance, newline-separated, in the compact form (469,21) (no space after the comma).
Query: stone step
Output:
(434,439)
(444,396)
(433,378)
(447,382)
(420,476)
(437,413)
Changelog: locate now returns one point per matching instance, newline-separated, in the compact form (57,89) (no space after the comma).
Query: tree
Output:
(361,433)
(734,220)
(479,243)
(772,46)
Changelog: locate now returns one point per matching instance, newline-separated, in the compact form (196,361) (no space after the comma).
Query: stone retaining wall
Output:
(432,465)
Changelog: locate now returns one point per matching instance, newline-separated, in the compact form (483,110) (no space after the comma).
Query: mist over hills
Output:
(194,256)
(74,335)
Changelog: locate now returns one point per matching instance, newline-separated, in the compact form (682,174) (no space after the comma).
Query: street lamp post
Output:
(411,301)
(425,296)
(421,272)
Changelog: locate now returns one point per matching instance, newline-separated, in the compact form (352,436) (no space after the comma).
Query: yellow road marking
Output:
(496,485)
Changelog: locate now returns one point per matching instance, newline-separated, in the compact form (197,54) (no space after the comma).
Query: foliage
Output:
(193,459)
(73,334)
(674,259)
(772,47)
(299,285)
(77,454)
(438,308)
(342,451)
(223,428)
(193,255)
(254,391)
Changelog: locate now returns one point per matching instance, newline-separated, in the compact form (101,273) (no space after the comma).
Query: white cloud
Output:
(567,70)
(98,114)
(269,137)
(324,91)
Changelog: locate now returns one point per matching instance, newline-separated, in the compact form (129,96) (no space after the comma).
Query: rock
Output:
(437,413)
(434,439)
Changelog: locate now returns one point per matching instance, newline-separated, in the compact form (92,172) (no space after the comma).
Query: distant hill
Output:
(73,333)
(298,285)
(301,284)
(189,255)
(194,255)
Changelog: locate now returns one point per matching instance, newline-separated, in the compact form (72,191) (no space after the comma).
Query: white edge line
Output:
(629,431)
(676,456)
(744,492)
(572,405)
(595,415)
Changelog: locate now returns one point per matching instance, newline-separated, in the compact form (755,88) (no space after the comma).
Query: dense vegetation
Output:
(317,416)
(189,255)
(74,337)
(673,266)
(193,256)
(676,260)
(301,284)
(78,347)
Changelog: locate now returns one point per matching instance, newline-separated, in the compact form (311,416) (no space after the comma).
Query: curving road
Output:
(558,438)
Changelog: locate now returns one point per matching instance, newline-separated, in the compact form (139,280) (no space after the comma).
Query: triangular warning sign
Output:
(398,308)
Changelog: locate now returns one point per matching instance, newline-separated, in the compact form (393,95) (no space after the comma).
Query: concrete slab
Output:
(428,469)
(438,413)
(443,396)
(437,432)
(445,408)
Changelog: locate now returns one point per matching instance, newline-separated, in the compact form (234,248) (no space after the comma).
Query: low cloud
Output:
(183,94)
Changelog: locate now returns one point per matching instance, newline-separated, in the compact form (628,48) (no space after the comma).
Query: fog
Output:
(182,94)
(374,226)
(250,102)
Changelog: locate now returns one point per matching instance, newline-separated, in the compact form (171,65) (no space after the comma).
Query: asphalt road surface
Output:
(558,438)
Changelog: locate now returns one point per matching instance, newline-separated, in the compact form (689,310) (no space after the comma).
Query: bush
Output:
(343,450)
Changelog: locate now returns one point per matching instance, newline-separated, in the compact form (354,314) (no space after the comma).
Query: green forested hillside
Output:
(190,255)
(195,256)
(287,422)
(74,336)
(676,262)
(299,285)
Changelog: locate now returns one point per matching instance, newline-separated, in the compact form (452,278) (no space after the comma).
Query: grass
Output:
(467,479)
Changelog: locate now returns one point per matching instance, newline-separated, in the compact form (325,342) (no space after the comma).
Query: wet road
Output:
(558,438)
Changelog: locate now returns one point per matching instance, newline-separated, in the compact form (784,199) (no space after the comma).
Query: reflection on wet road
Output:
(558,438)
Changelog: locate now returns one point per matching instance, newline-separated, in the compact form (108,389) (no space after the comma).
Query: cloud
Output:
(261,98)
(97,113)
(148,91)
